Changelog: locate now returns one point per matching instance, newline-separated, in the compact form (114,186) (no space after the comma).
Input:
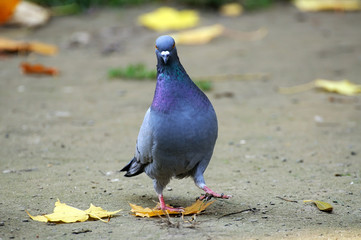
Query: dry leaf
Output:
(199,35)
(7,9)
(63,213)
(166,18)
(8,45)
(39,218)
(42,48)
(344,87)
(68,214)
(38,69)
(12,46)
(327,5)
(231,9)
(196,208)
(323,206)
(99,213)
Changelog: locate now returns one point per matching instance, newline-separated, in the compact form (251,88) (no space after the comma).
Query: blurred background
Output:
(76,77)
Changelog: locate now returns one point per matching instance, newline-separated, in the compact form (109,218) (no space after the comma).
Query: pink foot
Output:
(209,194)
(165,207)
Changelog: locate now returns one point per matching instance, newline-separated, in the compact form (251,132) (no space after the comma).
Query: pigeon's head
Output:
(165,49)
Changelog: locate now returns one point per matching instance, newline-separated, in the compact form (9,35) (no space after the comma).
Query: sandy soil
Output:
(66,137)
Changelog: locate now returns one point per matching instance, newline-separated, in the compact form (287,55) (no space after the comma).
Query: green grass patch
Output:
(140,72)
(133,71)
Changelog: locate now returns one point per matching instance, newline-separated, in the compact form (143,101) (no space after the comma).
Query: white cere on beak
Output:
(164,53)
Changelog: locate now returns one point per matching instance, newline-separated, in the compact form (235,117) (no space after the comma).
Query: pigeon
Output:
(179,130)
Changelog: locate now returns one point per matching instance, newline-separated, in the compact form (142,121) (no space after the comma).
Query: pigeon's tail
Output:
(133,168)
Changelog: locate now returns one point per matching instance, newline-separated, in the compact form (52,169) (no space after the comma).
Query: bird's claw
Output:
(205,197)
(209,196)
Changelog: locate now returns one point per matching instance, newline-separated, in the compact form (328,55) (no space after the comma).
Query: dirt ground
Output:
(66,137)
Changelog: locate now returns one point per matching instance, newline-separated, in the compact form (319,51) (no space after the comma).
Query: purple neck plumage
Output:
(175,90)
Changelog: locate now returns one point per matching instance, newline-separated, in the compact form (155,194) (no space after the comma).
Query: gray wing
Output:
(143,149)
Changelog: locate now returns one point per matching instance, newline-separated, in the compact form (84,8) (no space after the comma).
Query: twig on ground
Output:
(244,210)
(285,199)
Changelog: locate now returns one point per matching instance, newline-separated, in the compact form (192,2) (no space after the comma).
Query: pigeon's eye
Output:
(173,45)
(156,47)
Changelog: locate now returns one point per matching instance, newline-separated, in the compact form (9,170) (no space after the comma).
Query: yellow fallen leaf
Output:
(9,45)
(196,208)
(68,214)
(42,48)
(327,5)
(166,18)
(323,206)
(200,35)
(344,87)
(98,212)
(231,9)
(39,218)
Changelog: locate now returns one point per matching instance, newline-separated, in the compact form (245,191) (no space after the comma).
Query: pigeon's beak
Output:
(165,56)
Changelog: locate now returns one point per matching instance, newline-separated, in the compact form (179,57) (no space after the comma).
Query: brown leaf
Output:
(38,69)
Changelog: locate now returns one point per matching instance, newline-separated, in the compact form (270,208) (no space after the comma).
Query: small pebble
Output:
(21,88)
(318,119)
(2,224)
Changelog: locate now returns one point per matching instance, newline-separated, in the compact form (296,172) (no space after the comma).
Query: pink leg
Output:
(210,193)
(164,207)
